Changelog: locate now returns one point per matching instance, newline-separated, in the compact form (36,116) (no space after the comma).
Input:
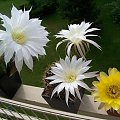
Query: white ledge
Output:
(30,94)
(33,95)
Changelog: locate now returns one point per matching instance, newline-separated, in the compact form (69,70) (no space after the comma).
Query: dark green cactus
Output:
(2,67)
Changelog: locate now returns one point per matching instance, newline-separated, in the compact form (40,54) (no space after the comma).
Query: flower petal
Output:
(72,91)
(91,74)
(52,77)
(27,58)
(7,22)
(8,55)
(82,84)
(66,94)
(29,62)
(91,30)
(86,63)
(78,93)
(112,71)
(78,48)
(18,63)
(60,88)
(69,49)
(83,70)
(59,43)
(92,42)
(55,90)
(15,15)
(103,75)
(90,35)
(59,66)
(55,81)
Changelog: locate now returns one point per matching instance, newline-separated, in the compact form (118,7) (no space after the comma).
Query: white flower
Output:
(70,74)
(23,38)
(76,37)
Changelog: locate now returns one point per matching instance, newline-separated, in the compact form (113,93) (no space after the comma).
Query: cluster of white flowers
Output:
(71,72)
(24,38)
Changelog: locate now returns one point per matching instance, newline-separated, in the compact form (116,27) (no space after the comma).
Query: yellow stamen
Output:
(18,36)
(113,91)
(70,77)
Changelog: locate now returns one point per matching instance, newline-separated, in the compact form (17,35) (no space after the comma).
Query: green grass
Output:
(6,5)
(102,60)
(110,41)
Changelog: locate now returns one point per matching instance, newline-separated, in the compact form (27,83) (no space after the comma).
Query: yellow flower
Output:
(107,89)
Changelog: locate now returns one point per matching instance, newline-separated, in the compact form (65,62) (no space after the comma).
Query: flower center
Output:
(18,36)
(70,77)
(76,40)
(113,91)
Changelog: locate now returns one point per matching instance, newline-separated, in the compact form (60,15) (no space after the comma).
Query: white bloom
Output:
(23,38)
(70,74)
(77,36)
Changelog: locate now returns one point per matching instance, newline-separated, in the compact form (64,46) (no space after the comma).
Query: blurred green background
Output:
(54,20)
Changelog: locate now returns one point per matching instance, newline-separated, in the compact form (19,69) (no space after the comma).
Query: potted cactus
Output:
(65,85)
(64,81)
(9,80)
(21,39)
